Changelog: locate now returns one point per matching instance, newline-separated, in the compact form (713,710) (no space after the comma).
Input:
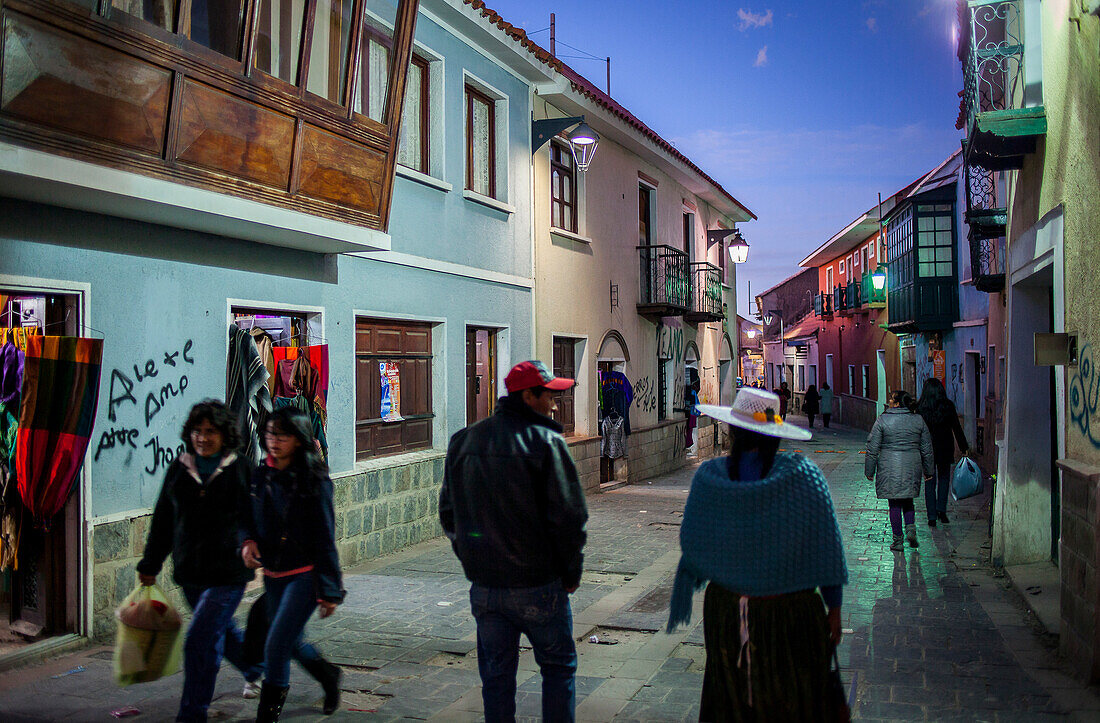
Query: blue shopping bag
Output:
(967,480)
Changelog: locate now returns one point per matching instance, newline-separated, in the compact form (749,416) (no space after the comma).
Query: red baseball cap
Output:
(534,374)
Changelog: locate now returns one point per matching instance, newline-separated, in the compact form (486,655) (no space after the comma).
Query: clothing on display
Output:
(246,393)
(60,391)
(616,395)
(613,430)
(18,336)
(264,345)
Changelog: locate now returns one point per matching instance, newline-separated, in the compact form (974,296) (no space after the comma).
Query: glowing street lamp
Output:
(738,249)
(878,279)
(751,333)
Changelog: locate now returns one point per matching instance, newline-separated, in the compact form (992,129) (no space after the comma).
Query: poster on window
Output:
(391,392)
(939,365)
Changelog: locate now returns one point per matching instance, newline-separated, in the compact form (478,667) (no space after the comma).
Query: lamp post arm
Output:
(543,130)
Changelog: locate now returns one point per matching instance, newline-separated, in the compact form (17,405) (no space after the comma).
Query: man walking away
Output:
(515,513)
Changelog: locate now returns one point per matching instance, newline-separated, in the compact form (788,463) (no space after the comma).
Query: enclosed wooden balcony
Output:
(293,104)
(665,286)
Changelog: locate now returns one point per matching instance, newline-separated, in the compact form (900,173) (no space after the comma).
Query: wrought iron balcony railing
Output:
(994,58)
(823,304)
(665,287)
(987,262)
(985,208)
(871,295)
(706,293)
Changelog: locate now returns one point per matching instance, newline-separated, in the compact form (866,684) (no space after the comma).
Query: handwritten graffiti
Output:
(645,394)
(670,343)
(161,379)
(1084,396)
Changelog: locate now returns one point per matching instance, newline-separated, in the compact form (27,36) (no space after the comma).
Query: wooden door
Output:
(565,365)
(480,373)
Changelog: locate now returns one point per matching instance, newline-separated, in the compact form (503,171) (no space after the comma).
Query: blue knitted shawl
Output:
(770,536)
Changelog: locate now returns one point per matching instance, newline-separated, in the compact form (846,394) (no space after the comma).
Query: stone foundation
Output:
(1078,555)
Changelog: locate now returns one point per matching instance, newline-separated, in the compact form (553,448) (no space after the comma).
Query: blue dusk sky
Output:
(804,111)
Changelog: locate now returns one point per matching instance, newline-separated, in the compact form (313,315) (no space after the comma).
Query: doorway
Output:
(880,381)
(481,387)
(43,598)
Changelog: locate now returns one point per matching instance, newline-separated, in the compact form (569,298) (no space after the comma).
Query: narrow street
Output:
(931,633)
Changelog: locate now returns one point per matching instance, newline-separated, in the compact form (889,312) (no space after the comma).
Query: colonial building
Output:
(1030,113)
(169,185)
(790,334)
(751,352)
(632,277)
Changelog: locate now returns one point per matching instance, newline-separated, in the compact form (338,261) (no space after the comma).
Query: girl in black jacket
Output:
(197,519)
(942,418)
(291,532)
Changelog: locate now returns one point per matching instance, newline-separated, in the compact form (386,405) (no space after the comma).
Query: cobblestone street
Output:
(931,633)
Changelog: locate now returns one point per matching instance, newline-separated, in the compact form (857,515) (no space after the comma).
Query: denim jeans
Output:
(290,602)
(211,634)
(544,616)
(935,490)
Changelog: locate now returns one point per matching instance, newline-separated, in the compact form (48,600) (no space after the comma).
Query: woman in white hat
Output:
(759,526)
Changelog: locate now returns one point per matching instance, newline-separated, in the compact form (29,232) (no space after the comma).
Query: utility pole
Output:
(553,35)
(609,76)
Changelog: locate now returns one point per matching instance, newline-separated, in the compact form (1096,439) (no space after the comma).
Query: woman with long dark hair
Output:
(759,526)
(196,519)
(942,418)
(291,533)
(899,450)
(811,405)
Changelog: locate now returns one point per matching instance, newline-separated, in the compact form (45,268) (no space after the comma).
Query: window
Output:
(279,38)
(865,258)
(935,240)
(328,56)
(480,143)
(565,365)
(851,266)
(408,345)
(866,381)
(689,236)
(662,389)
(899,242)
(215,24)
(829,279)
(871,250)
(842,267)
(412,148)
(645,214)
(161,14)
(801,378)
(563,188)
(375,71)
(851,379)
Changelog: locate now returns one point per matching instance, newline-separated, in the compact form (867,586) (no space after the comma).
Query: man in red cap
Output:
(514,510)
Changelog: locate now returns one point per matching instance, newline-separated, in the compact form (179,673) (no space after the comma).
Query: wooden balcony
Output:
(162,99)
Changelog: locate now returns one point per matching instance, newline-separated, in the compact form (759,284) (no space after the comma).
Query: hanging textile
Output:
(616,396)
(57,411)
(264,345)
(18,336)
(246,392)
(318,359)
(11,380)
(317,418)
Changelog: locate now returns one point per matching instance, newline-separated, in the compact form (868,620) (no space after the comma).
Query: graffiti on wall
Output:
(137,396)
(1084,397)
(645,394)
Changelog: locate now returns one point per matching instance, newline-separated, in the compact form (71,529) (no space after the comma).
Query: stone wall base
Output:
(1078,556)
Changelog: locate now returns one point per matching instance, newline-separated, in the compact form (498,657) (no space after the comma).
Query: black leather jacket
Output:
(292,521)
(511,502)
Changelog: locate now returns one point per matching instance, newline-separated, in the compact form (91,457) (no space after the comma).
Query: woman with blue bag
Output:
(942,418)
(759,525)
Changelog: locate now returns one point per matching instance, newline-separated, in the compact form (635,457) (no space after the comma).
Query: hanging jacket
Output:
(511,502)
(292,521)
(899,454)
(199,523)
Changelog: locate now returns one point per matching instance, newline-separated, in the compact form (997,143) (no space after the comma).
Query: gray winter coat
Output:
(899,454)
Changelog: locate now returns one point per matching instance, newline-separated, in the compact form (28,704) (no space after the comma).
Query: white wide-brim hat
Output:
(756,410)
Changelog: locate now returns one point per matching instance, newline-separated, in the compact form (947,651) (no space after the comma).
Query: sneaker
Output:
(942,517)
(251,689)
(898,544)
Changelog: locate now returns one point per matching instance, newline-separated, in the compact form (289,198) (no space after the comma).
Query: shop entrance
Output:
(42,575)
(481,387)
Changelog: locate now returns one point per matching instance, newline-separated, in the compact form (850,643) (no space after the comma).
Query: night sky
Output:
(804,111)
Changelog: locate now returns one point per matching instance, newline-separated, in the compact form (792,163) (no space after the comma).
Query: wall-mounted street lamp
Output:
(751,333)
(878,279)
(739,249)
(582,141)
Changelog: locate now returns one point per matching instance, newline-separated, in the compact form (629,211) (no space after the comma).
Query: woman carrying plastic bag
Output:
(148,645)
(967,479)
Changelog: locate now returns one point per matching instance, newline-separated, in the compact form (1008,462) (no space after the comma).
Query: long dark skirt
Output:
(790,654)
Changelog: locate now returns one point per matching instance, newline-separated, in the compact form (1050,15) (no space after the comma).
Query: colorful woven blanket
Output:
(60,393)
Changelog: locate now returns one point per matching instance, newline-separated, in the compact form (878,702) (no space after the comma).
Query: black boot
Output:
(272,698)
(328,675)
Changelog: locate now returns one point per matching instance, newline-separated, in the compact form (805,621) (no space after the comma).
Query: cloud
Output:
(761,58)
(872,25)
(750,19)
